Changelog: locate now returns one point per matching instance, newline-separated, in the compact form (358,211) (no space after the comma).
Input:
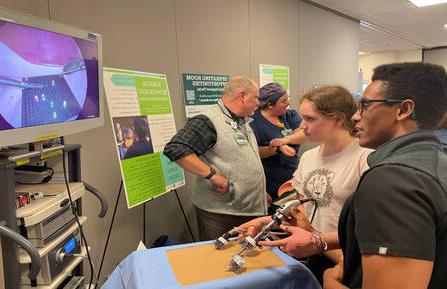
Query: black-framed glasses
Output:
(364,103)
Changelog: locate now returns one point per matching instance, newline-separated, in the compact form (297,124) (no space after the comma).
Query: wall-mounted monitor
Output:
(50,79)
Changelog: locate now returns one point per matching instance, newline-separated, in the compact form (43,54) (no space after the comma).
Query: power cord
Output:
(315,207)
(287,194)
(108,234)
(92,271)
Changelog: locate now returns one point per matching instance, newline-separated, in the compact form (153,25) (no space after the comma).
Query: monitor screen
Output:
(50,75)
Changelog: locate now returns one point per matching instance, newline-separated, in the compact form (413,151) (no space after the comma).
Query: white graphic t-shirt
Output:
(330,180)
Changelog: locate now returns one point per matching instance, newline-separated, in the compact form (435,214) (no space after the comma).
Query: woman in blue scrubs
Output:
(278,135)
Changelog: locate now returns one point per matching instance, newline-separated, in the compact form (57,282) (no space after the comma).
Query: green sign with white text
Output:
(202,90)
(153,95)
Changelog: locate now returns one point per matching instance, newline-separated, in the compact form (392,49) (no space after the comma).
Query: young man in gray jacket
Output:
(393,229)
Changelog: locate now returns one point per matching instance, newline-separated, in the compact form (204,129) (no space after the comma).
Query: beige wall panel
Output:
(34,7)
(368,62)
(436,56)
(213,36)
(328,51)
(413,55)
(274,38)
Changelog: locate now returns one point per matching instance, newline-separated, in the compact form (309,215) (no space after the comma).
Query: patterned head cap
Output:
(270,93)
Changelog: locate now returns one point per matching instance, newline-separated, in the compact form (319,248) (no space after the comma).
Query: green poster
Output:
(281,76)
(153,95)
(172,172)
(143,177)
(201,90)
(274,73)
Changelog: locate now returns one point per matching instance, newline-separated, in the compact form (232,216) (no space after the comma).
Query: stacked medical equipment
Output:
(50,225)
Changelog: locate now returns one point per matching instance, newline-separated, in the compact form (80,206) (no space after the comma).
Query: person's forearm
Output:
(193,164)
(334,285)
(267,151)
(335,256)
(262,221)
(331,239)
(297,137)
(332,278)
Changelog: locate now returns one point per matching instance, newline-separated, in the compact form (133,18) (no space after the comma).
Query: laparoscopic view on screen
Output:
(45,77)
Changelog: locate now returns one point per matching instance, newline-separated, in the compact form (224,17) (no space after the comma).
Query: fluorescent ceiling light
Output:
(422,3)
(445,26)
(362,53)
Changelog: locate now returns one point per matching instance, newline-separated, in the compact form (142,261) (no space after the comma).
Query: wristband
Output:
(320,242)
(211,174)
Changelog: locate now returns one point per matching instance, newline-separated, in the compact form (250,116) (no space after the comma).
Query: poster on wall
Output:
(201,91)
(143,122)
(274,73)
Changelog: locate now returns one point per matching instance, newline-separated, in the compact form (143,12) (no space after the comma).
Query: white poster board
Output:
(143,122)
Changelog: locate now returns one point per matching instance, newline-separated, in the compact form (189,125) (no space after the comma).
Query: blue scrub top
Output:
(278,168)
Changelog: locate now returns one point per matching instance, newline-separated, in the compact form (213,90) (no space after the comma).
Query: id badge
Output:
(286,132)
(241,139)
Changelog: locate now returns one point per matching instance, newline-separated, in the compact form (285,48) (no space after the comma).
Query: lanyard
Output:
(240,137)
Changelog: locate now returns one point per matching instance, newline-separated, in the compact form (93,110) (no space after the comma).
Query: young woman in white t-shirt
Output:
(328,173)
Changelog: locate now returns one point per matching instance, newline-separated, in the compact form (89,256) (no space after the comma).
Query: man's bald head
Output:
(238,83)
(240,95)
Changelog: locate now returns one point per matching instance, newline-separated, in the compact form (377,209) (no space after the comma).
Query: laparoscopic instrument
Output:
(248,244)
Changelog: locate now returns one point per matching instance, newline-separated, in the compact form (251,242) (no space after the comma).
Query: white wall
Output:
(197,36)
(370,61)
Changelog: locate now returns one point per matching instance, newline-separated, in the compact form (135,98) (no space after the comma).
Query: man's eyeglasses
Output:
(364,103)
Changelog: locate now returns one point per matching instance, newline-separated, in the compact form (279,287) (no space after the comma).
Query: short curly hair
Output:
(424,83)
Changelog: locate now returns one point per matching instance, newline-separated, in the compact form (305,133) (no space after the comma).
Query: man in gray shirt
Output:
(220,149)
